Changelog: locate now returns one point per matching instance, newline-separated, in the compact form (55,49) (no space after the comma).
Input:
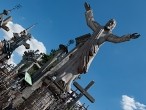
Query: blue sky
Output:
(118,69)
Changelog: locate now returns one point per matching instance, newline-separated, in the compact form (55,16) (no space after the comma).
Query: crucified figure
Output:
(81,58)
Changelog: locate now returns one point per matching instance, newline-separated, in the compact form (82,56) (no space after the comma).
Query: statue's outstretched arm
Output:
(90,19)
(116,39)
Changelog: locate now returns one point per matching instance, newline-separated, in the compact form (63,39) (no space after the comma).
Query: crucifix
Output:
(83,93)
(81,57)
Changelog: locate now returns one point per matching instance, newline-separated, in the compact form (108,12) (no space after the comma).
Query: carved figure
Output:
(82,56)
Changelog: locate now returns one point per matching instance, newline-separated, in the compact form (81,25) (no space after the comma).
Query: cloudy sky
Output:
(119,70)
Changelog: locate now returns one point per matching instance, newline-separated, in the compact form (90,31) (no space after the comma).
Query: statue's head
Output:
(110,25)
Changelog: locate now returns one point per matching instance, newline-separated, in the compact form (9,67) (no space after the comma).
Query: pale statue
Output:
(82,56)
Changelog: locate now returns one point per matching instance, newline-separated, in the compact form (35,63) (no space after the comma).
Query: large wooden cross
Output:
(83,93)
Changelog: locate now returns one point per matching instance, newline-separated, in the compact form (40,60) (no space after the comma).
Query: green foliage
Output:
(46,57)
(33,69)
(24,67)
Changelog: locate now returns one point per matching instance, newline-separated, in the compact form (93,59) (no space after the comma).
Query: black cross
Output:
(83,92)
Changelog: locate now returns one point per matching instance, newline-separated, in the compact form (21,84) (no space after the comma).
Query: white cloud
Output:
(11,60)
(13,28)
(129,103)
(34,43)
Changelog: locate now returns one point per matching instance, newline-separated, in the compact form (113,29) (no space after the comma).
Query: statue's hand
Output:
(87,6)
(134,36)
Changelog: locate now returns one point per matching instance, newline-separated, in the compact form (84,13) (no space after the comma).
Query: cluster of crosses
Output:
(63,67)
